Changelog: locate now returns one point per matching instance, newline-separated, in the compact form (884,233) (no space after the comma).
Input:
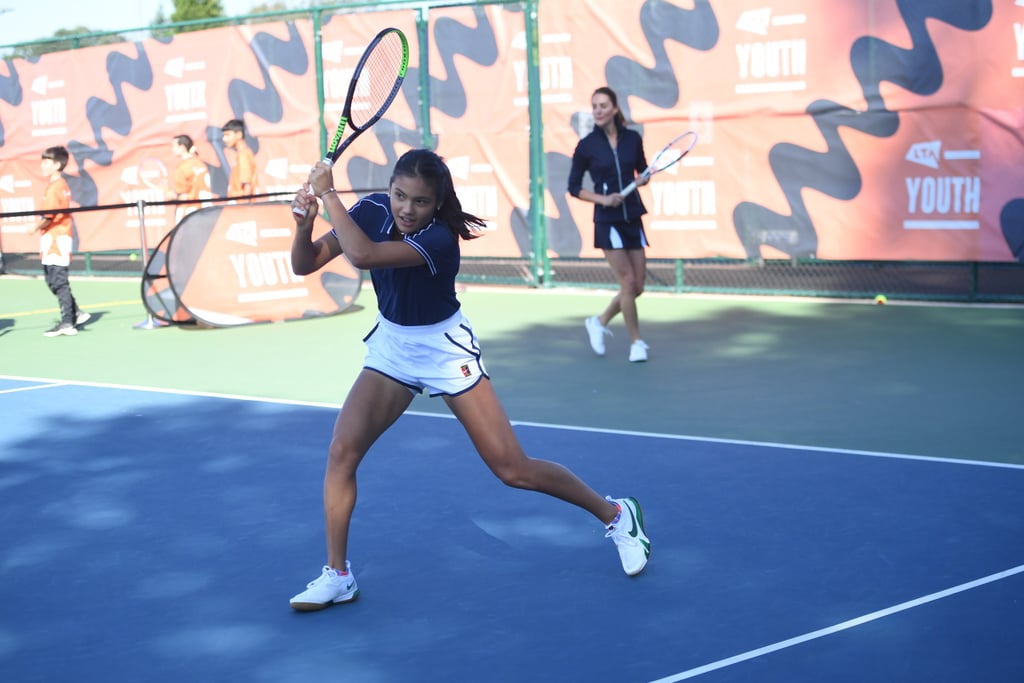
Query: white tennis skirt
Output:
(443,358)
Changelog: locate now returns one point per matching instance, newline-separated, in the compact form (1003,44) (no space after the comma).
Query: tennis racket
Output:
(375,83)
(666,158)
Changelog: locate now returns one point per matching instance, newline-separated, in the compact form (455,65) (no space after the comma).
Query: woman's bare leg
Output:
(629,266)
(484,420)
(373,404)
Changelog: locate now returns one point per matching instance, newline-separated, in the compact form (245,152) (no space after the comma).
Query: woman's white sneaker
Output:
(597,332)
(327,589)
(638,351)
(629,536)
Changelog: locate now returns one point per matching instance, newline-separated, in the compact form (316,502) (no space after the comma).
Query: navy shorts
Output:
(620,235)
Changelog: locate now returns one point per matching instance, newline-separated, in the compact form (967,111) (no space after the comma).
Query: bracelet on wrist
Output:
(325,193)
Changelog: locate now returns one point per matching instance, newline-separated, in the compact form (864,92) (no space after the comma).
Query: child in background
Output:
(242,180)
(55,242)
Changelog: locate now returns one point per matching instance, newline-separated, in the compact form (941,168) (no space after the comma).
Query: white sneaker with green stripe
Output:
(629,536)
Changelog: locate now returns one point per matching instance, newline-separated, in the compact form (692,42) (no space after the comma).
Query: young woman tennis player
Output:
(409,241)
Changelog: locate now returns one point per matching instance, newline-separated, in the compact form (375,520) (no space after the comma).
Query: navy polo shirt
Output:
(416,295)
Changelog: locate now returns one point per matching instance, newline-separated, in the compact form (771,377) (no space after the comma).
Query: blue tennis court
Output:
(155,535)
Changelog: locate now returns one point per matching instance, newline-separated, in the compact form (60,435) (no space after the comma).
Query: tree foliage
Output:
(194,10)
(191,10)
(269,7)
(263,7)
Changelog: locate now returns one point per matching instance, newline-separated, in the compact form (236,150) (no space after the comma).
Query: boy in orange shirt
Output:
(55,242)
(242,181)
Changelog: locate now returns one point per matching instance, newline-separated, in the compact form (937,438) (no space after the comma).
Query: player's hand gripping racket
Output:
(375,83)
(666,158)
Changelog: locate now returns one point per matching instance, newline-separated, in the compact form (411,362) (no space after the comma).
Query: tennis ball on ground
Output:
(881,299)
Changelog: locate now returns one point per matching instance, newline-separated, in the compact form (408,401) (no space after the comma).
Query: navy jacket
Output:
(611,170)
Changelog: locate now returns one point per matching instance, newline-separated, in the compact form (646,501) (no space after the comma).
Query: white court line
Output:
(769,444)
(157,390)
(540,425)
(857,621)
(32,388)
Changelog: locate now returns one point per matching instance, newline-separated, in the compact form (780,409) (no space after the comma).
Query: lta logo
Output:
(950,201)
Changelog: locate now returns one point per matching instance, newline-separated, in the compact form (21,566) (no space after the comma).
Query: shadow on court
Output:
(152,536)
(845,376)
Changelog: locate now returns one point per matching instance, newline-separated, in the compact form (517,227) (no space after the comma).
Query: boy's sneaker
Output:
(61,328)
(82,318)
(638,351)
(597,332)
(325,590)
(629,536)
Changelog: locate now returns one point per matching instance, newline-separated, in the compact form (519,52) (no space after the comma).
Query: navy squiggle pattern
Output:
(264,101)
(1011,221)
(290,55)
(453,38)
(10,92)
(661,22)
(449,95)
(122,70)
(834,172)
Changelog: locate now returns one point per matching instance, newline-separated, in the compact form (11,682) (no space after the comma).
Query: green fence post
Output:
(423,83)
(541,263)
(318,61)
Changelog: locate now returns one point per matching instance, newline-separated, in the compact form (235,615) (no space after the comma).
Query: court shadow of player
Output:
(6,325)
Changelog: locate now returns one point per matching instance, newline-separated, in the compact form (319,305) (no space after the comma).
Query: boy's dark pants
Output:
(57,281)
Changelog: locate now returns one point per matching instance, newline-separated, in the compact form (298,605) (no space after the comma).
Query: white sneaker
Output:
(61,328)
(597,332)
(638,351)
(325,590)
(82,318)
(629,536)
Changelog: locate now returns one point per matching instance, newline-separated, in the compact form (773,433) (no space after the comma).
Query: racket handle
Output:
(302,212)
(632,186)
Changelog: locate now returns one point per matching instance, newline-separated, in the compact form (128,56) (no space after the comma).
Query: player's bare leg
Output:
(629,266)
(373,404)
(484,420)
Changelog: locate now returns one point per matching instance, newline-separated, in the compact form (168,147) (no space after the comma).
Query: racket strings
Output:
(666,158)
(375,87)
(675,151)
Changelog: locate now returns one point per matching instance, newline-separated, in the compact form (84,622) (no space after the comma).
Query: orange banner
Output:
(880,130)
(231,265)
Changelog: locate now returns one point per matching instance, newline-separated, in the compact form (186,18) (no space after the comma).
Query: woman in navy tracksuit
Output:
(613,155)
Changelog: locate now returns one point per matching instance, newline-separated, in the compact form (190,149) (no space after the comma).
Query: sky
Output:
(23,20)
